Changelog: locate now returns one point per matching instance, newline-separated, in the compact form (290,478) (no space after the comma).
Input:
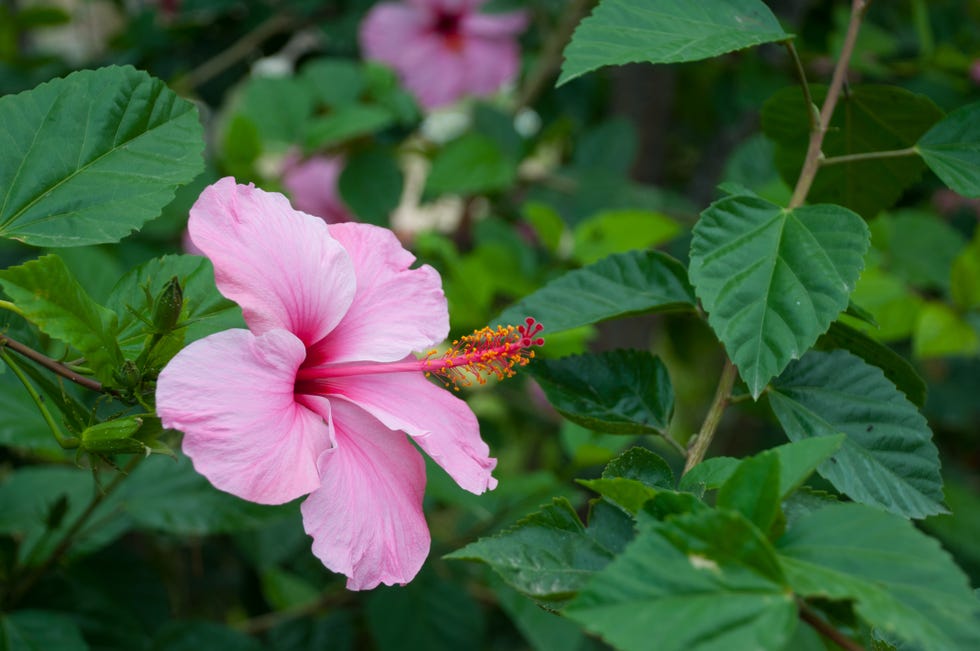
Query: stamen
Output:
(488,352)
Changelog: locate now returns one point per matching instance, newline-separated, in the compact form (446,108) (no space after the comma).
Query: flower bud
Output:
(114,436)
(166,308)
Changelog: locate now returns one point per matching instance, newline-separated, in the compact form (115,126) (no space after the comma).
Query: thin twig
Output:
(550,59)
(52,365)
(801,73)
(702,441)
(808,615)
(868,155)
(813,154)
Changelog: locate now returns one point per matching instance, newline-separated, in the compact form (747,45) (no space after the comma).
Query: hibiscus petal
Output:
(280,265)
(439,422)
(388,28)
(232,395)
(366,518)
(490,64)
(502,25)
(395,311)
(312,184)
(433,71)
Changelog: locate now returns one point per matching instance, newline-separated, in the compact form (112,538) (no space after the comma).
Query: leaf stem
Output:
(699,447)
(550,59)
(69,538)
(10,307)
(813,154)
(869,155)
(809,616)
(801,73)
(67,442)
(52,365)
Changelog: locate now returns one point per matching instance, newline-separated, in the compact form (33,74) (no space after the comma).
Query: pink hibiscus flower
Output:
(444,49)
(312,184)
(316,397)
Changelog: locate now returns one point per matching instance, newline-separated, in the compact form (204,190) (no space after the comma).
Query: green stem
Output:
(699,447)
(823,627)
(52,365)
(869,155)
(67,442)
(68,539)
(813,154)
(801,73)
(10,307)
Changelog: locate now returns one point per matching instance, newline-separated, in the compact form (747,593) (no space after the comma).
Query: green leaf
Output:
(278,107)
(643,466)
(895,367)
(866,119)
(543,630)
(900,580)
(21,424)
(620,391)
(940,332)
(191,635)
(797,461)
(344,123)
(636,282)
(667,31)
(890,300)
(336,82)
(629,494)
(371,184)
(471,164)
(951,149)
(689,597)
(965,275)
(549,555)
(902,236)
(92,157)
(617,231)
(429,614)
(52,299)
(772,280)
(754,490)
(888,459)
(37,630)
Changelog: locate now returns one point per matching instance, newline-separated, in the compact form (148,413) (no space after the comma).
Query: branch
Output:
(869,155)
(813,154)
(702,441)
(550,59)
(52,365)
(823,627)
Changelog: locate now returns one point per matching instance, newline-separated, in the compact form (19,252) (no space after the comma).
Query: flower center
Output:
(488,352)
(446,25)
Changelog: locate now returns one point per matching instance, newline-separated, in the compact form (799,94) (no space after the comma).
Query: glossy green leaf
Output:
(772,280)
(895,367)
(371,185)
(940,332)
(867,119)
(690,587)
(92,157)
(549,555)
(951,149)
(52,299)
(620,391)
(39,630)
(888,459)
(797,461)
(471,164)
(641,465)
(617,231)
(900,580)
(754,490)
(636,282)
(629,494)
(667,31)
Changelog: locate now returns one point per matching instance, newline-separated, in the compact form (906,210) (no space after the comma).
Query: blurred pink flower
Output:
(317,395)
(444,49)
(312,184)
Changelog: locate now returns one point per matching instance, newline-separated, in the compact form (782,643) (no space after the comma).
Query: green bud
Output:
(114,436)
(128,375)
(166,308)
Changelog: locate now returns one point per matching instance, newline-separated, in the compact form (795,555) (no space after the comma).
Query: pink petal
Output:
(433,71)
(280,265)
(491,63)
(395,311)
(312,184)
(366,518)
(439,422)
(494,26)
(232,395)
(390,27)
